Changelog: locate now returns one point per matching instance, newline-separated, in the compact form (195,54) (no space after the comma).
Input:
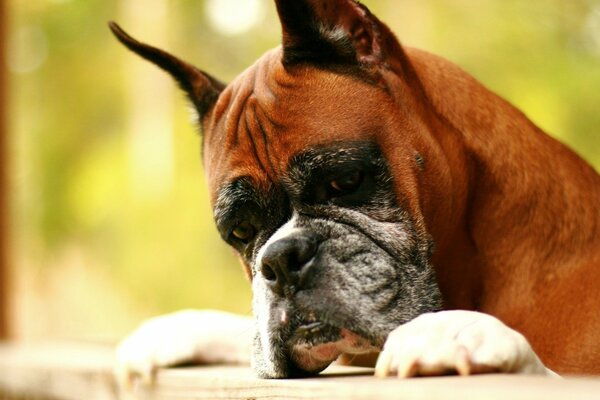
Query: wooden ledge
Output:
(66,371)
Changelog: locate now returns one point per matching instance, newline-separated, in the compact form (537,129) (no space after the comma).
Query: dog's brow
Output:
(231,197)
(310,161)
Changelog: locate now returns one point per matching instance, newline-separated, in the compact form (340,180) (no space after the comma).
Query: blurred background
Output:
(109,220)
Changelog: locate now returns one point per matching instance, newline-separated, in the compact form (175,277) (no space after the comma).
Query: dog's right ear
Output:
(202,89)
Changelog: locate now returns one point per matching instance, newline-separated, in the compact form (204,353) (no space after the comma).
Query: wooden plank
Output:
(70,371)
(353,384)
(3,180)
(57,371)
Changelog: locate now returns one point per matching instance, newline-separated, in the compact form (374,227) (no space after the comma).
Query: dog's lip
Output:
(323,345)
(314,332)
(311,327)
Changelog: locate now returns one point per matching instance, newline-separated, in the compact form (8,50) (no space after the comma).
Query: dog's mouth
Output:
(314,344)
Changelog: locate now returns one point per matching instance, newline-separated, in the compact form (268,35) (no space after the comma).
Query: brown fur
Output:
(531,226)
(514,214)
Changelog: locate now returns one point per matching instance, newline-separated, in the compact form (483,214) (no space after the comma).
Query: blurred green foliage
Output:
(71,154)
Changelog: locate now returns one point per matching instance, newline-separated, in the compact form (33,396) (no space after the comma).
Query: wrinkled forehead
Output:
(270,113)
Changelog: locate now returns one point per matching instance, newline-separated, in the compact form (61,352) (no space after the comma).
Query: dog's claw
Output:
(135,363)
(464,367)
(408,368)
(382,368)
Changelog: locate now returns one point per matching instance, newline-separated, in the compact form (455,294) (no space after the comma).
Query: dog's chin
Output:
(314,346)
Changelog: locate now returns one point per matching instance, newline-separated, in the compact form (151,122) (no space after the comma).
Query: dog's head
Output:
(313,157)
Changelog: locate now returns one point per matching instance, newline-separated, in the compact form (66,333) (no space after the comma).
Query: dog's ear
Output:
(332,31)
(202,89)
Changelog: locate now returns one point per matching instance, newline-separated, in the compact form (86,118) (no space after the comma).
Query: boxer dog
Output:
(382,200)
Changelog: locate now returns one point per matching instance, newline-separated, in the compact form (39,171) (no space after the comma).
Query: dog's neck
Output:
(519,186)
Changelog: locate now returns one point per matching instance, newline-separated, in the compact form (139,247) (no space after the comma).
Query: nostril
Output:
(268,272)
(304,251)
(285,261)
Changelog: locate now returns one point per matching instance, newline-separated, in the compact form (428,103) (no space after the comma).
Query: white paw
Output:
(203,337)
(463,342)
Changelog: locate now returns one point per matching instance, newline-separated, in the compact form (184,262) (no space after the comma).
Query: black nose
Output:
(286,261)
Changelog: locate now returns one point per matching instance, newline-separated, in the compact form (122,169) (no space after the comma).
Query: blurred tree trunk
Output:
(3,273)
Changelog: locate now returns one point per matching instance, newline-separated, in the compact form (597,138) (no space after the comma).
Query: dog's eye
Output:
(346,183)
(244,232)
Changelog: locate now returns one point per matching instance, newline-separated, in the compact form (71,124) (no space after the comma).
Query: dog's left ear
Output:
(329,32)
(202,89)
